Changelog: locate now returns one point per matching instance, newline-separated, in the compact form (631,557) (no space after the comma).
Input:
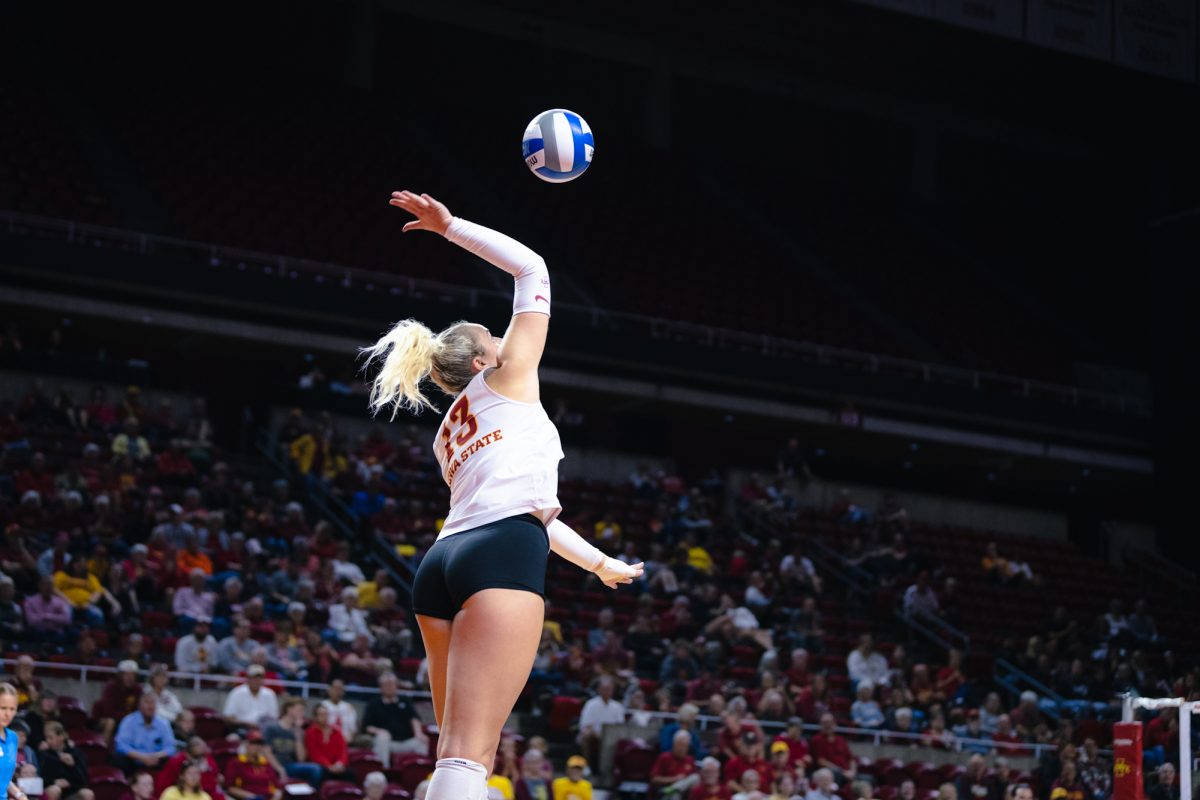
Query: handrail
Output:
(286,267)
(200,678)
(937,630)
(876,736)
(1008,674)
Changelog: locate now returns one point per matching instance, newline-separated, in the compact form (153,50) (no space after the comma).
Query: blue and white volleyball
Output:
(557,145)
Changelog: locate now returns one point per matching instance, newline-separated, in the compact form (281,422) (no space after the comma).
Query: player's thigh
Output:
(493,643)
(436,634)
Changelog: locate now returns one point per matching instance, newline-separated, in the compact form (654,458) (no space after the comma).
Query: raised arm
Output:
(525,340)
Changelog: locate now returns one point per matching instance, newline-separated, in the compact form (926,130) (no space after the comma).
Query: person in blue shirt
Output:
(8,742)
(144,740)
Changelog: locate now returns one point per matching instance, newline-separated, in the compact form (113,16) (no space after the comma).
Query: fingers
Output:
(415,225)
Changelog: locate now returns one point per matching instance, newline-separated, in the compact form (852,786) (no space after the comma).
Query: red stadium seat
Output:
(564,712)
(100,771)
(633,762)
(109,788)
(364,766)
(413,771)
(328,788)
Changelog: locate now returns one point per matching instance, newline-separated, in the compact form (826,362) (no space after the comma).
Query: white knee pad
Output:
(457,779)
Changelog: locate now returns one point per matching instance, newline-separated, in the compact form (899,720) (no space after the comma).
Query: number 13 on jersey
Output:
(461,417)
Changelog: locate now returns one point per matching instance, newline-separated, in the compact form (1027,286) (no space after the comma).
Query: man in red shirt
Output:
(797,747)
(119,698)
(832,751)
(673,769)
(250,775)
(750,756)
(710,786)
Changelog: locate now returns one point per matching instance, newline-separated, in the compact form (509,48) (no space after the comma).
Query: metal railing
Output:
(1014,679)
(285,268)
(873,736)
(203,680)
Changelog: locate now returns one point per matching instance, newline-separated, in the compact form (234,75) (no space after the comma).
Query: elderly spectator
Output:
(751,786)
(989,713)
(144,740)
(686,721)
(346,619)
(1005,739)
(251,704)
(832,751)
(1026,716)
(674,770)
(393,723)
(598,711)
(197,652)
(375,785)
(534,783)
(168,705)
(865,712)
(27,685)
(1163,789)
(823,787)
(193,601)
(749,757)
(975,783)
(710,787)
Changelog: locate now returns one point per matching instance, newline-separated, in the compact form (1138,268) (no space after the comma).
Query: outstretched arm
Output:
(525,340)
(574,548)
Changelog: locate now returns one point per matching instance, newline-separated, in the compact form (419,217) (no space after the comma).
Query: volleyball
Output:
(557,145)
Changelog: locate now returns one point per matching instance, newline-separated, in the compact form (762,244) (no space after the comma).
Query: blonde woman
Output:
(8,742)
(479,592)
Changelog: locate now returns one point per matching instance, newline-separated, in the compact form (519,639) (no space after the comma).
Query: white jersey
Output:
(498,456)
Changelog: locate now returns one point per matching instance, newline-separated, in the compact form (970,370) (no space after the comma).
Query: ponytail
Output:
(410,348)
(411,353)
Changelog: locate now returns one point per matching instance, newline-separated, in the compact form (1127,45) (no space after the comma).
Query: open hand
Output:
(430,214)
(613,572)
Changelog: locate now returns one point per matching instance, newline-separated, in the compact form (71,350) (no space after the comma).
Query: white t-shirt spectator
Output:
(873,668)
(251,709)
(597,713)
(789,566)
(348,623)
(342,716)
(348,571)
(192,655)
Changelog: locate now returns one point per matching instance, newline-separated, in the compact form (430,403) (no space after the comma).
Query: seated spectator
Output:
(192,559)
(950,678)
(750,783)
(823,787)
(196,753)
(142,787)
(793,737)
(989,713)
(144,740)
(344,569)
(813,701)
(798,569)
(84,592)
(920,600)
(865,712)
(187,785)
(832,751)
(756,592)
(193,601)
(1068,786)
(780,760)
(169,706)
(375,785)
(975,783)
(597,636)
(286,740)
(1001,569)
(342,715)
(369,591)
(971,731)
(346,619)
(251,704)
(674,770)
(947,791)
(28,687)
(598,711)
(750,758)
(866,664)
(251,776)
(392,722)
(710,787)
(197,652)
(281,655)
(937,736)
(1026,716)
(63,769)
(1164,787)
(1005,738)
(12,617)
(235,652)
(686,721)
(907,790)
(38,715)
(119,698)
(534,783)
(901,720)
(326,746)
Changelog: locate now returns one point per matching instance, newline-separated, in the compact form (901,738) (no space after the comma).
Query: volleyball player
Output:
(478,593)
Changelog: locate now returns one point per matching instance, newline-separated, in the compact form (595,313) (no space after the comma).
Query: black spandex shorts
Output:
(507,554)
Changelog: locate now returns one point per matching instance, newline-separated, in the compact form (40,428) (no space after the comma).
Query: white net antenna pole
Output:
(1129,706)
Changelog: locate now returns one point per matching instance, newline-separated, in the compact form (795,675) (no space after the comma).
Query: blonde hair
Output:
(411,353)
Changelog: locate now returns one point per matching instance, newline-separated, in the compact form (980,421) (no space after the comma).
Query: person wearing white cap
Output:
(197,652)
(251,703)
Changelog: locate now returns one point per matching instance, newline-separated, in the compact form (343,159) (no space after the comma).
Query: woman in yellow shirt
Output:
(187,787)
(83,591)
